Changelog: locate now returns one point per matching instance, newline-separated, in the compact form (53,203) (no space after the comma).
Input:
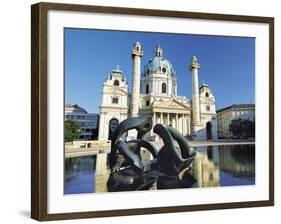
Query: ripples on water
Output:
(213,166)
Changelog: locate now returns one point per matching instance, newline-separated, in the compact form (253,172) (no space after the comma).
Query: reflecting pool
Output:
(213,166)
(79,175)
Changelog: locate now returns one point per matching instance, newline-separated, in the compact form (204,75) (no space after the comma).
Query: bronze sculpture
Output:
(168,167)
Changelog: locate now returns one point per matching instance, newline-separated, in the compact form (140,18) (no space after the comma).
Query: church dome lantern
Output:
(159,64)
(158,51)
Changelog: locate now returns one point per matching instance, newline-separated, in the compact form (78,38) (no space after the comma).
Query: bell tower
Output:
(208,110)
(114,105)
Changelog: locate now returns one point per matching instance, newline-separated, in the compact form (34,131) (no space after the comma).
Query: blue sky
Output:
(227,63)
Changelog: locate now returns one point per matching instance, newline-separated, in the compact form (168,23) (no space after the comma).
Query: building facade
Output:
(235,111)
(154,94)
(88,121)
(114,106)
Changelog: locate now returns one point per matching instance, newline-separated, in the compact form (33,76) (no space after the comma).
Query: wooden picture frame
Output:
(39,110)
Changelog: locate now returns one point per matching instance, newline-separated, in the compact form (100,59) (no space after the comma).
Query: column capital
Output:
(137,53)
(194,63)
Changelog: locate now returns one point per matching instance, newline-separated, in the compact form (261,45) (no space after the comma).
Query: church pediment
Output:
(115,91)
(170,104)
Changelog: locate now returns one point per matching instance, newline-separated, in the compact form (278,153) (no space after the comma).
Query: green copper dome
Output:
(158,64)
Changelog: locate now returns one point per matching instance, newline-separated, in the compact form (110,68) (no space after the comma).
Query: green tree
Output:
(242,128)
(248,128)
(71,130)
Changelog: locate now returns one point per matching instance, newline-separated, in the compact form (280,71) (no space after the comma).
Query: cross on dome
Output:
(158,50)
(117,69)
(204,84)
(158,43)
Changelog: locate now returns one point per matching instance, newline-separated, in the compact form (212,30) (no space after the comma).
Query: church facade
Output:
(154,94)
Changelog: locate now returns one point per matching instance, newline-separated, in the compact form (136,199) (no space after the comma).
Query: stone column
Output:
(183,130)
(194,67)
(161,118)
(188,124)
(168,118)
(180,123)
(177,122)
(158,118)
(137,53)
(184,125)
(174,121)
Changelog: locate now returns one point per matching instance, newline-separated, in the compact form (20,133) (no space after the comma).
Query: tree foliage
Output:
(242,128)
(71,130)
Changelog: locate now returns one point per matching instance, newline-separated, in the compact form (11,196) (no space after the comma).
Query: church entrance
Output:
(113,123)
(209,130)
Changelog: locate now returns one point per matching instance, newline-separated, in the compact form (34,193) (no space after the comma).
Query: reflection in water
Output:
(213,166)
(79,175)
(206,167)
(227,165)
(237,165)
(128,180)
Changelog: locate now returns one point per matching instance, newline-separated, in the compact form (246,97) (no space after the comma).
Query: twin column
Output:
(194,67)
(137,53)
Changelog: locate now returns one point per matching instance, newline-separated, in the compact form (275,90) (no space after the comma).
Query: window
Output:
(164,88)
(138,48)
(164,70)
(147,89)
(115,100)
(147,103)
(116,83)
(207,94)
(207,108)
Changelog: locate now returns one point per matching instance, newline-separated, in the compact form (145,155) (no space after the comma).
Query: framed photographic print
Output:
(139,111)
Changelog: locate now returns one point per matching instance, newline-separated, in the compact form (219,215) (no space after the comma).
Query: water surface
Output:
(213,166)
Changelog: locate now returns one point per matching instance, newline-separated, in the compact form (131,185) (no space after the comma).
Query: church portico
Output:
(180,121)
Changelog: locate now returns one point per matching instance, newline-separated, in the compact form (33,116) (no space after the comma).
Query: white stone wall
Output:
(155,81)
(104,122)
